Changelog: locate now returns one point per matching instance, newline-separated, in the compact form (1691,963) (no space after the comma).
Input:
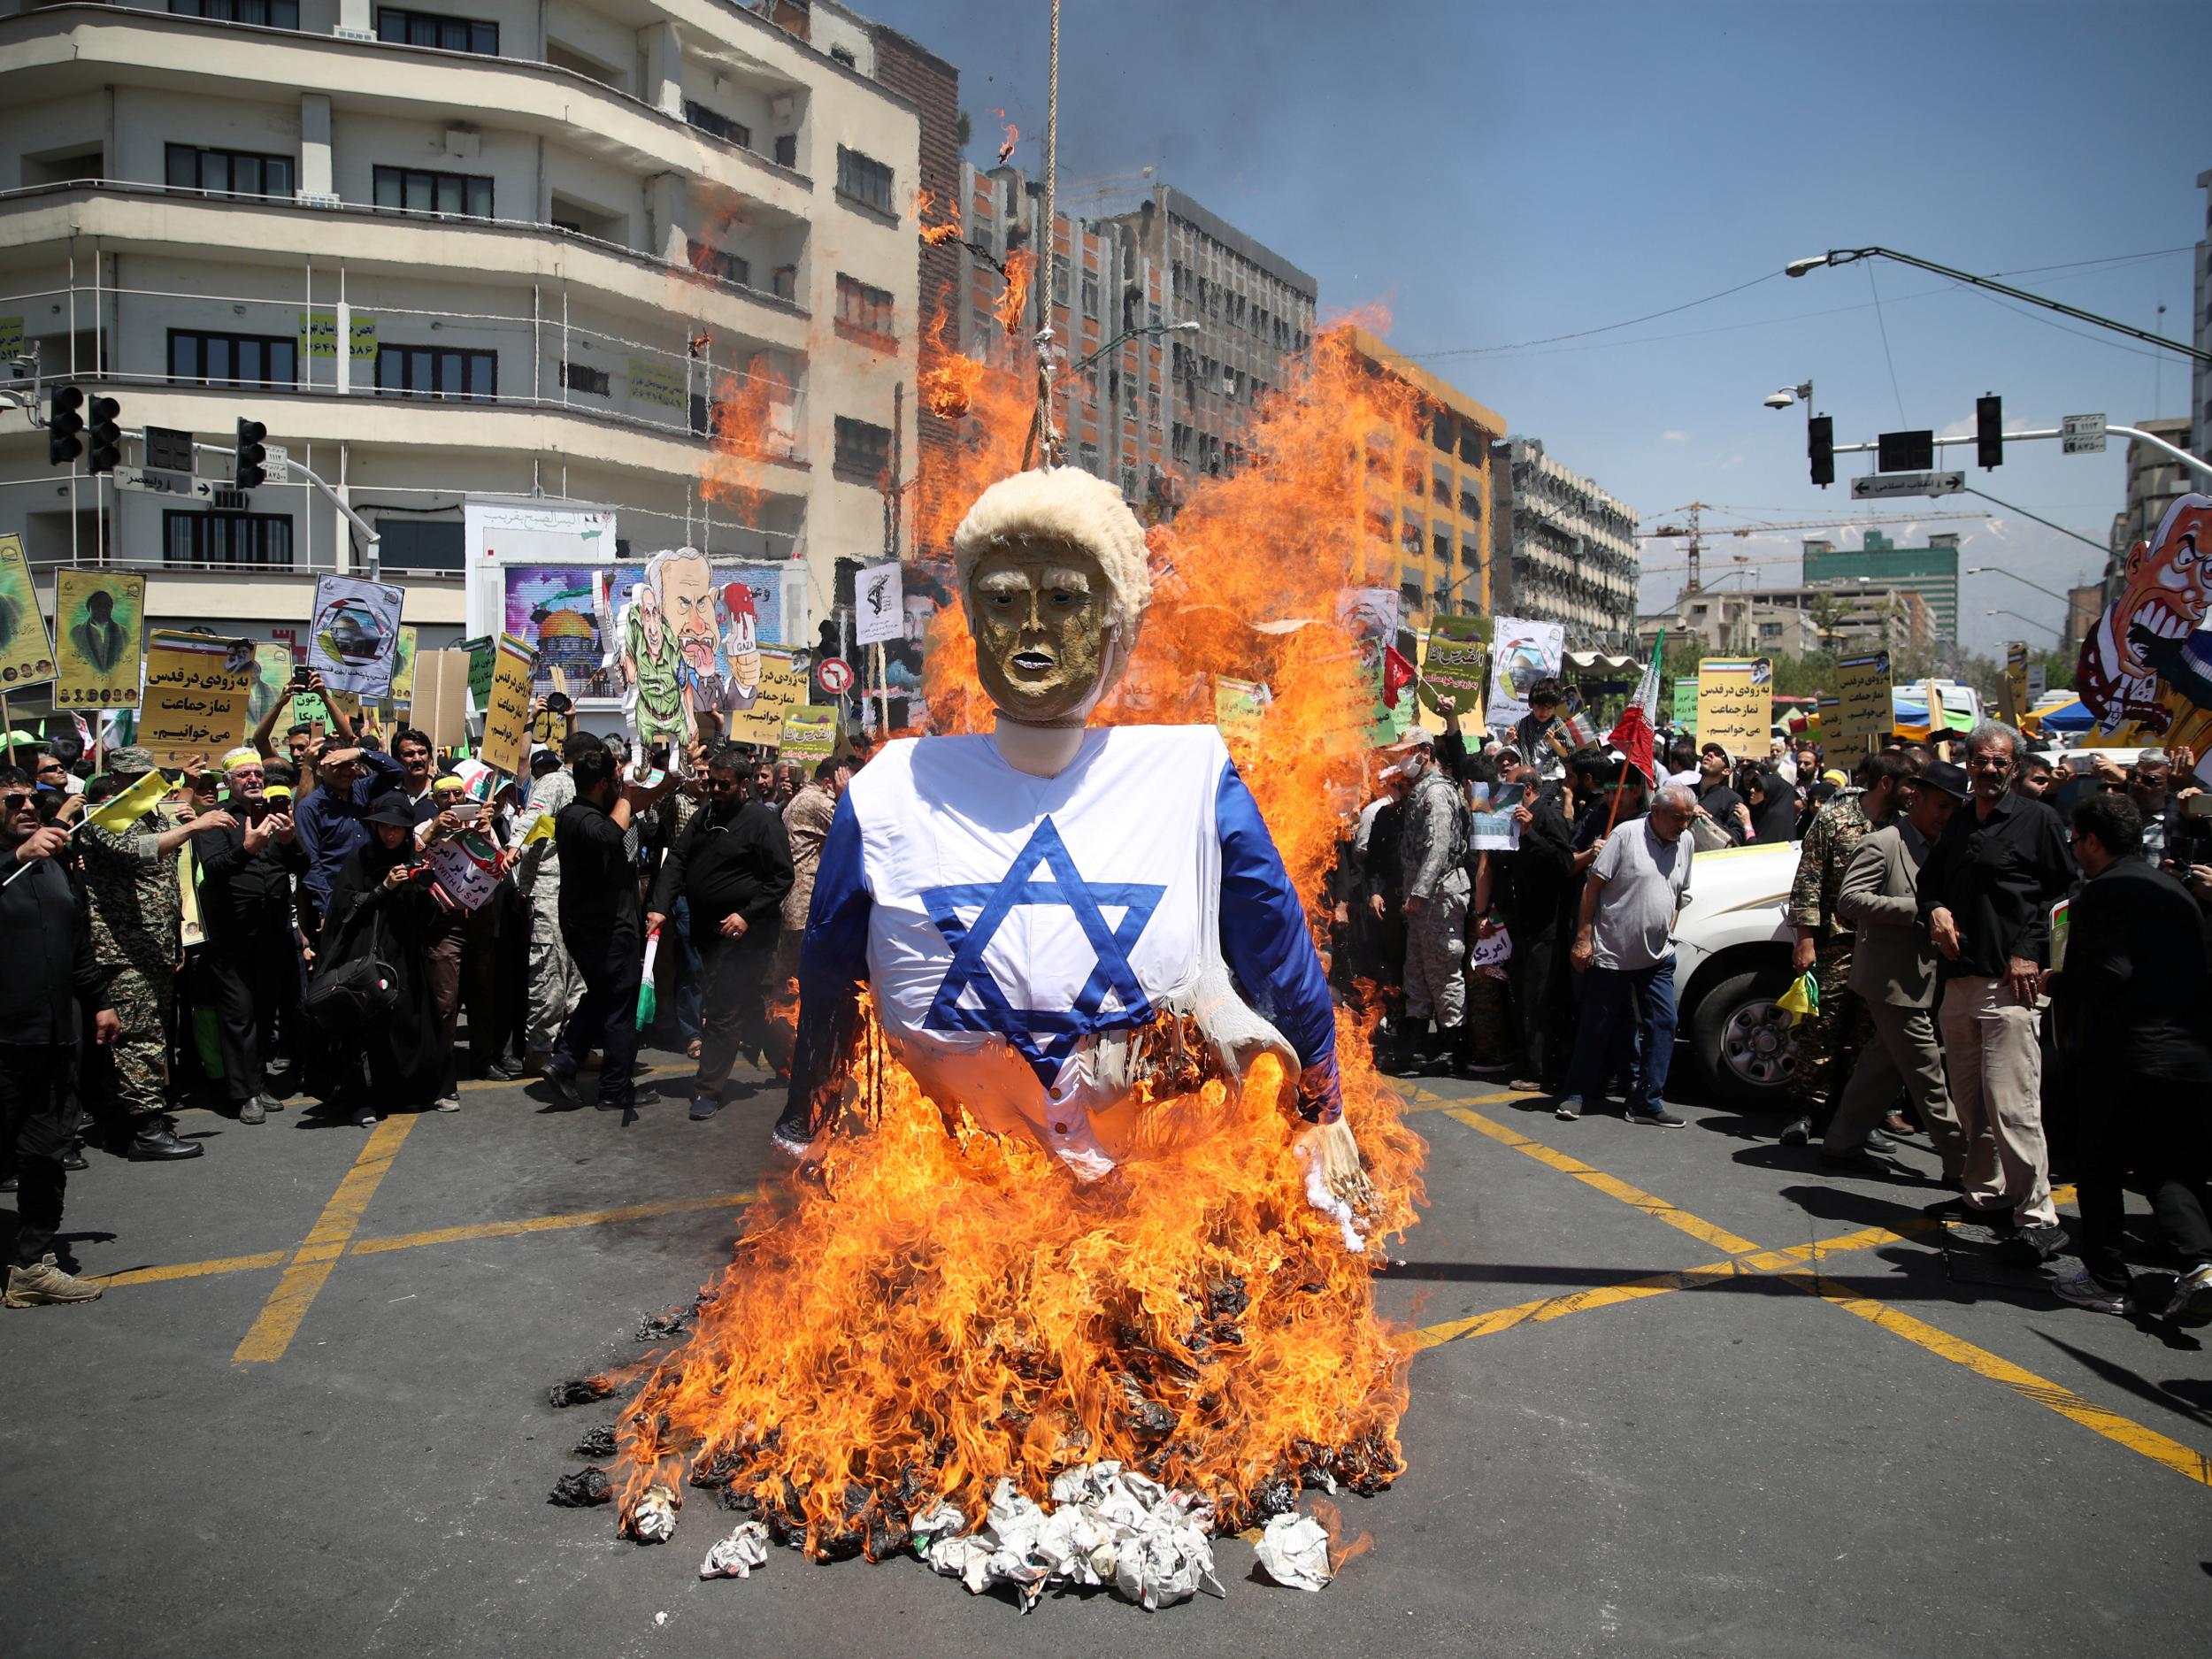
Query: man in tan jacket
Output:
(1893,972)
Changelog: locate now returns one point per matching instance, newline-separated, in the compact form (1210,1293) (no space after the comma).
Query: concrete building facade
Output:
(2155,481)
(1429,523)
(1931,572)
(1574,556)
(533,247)
(1845,617)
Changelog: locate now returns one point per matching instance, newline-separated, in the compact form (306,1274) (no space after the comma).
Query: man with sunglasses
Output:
(732,866)
(1986,895)
(252,957)
(52,977)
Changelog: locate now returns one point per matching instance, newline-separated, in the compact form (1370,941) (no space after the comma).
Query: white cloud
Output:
(1672,436)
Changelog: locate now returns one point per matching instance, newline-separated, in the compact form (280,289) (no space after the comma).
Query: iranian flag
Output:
(1637,729)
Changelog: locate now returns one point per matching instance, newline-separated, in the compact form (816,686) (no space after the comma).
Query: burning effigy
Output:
(1075,1266)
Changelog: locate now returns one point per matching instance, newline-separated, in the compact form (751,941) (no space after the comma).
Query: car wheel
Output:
(1744,1040)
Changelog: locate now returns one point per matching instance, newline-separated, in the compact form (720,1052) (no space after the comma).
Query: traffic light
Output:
(1989,431)
(252,456)
(1820,445)
(63,424)
(105,437)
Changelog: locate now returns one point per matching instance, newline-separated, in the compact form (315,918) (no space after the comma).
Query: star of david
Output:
(1044,1037)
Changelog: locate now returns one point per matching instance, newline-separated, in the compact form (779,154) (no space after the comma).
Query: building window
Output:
(844,55)
(274,14)
(227,538)
(865,180)
(863,308)
(432,28)
(582,377)
(1090,295)
(420,544)
(1152,408)
(1129,483)
(862,449)
(436,371)
(1086,458)
(787,150)
(232,171)
(1059,279)
(715,263)
(419,190)
(208,359)
(709,121)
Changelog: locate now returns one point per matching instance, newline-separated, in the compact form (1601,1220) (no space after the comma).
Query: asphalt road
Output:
(1652,1415)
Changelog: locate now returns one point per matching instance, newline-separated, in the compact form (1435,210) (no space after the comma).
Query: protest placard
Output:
(879,604)
(1863,708)
(197,690)
(2015,685)
(99,630)
(1735,703)
(1521,653)
(1685,704)
(439,706)
(809,734)
(354,635)
(1456,667)
(26,652)
(402,691)
(466,869)
(756,716)
(507,715)
(1492,824)
(1240,706)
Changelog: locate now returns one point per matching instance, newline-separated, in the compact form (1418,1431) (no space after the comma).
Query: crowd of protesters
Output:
(277,924)
(1934,1000)
(228,940)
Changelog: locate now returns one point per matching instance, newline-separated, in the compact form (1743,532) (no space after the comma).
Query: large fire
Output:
(931,1307)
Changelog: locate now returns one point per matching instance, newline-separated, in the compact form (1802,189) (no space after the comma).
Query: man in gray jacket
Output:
(1432,847)
(1893,972)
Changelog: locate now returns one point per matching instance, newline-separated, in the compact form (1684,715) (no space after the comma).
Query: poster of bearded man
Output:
(648,655)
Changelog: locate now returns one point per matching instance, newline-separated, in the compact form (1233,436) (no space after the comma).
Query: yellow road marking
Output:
(2121,1431)
(1658,1209)
(194,1270)
(1421,1100)
(549,1223)
(310,1265)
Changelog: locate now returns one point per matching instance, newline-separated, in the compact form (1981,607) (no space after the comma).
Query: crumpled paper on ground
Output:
(736,1556)
(1293,1550)
(654,1520)
(1108,1527)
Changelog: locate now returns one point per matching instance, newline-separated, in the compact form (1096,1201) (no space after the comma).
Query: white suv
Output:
(1731,961)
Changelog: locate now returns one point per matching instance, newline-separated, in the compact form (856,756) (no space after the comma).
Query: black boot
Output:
(1411,1053)
(156,1141)
(1451,1041)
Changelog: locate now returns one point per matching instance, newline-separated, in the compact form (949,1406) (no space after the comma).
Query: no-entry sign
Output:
(834,675)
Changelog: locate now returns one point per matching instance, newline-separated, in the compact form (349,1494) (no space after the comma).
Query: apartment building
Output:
(520,248)
(1209,315)
(1428,517)
(1574,557)
(1843,616)
(1931,572)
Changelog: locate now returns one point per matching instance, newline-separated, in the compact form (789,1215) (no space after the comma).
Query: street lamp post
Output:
(2030,621)
(1188,326)
(1993,570)
(1851,256)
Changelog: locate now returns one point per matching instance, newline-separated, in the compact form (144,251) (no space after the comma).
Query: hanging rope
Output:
(1046,424)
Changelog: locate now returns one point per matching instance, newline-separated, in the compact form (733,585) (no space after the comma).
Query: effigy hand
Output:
(1342,1166)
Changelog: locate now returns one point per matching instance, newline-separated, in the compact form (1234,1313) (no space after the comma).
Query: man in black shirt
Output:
(51,976)
(1526,890)
(600,926)
(732,866)
(2133,994)
(1985,895)
(252,957)
(1716,801)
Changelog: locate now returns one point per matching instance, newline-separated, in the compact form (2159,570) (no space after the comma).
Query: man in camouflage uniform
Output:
(555,987)
(1433,850)
(1826,1043)
(131,879)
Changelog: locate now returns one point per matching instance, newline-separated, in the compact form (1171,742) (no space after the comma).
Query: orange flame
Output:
(933,1307)
(935,235)
(1013,137)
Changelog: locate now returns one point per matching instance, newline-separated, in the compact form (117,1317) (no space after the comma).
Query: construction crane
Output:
(1694,533)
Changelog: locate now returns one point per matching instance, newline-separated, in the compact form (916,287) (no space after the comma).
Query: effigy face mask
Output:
(1042,637)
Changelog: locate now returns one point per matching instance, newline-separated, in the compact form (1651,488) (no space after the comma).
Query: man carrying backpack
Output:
(1433,846)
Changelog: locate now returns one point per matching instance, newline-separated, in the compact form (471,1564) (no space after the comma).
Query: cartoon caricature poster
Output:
(2145,672)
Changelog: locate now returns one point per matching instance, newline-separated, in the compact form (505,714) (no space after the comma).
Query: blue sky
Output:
(1495,174)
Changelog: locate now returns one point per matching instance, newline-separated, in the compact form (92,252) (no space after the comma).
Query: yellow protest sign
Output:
(2015,683)
(197,690)
(403,667)
(809,733)
(99,626)
(27,654)
(1863,708)
(1735,703)
(507,715)
(758,718)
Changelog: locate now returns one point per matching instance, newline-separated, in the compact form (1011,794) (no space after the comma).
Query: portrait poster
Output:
(402,689)
(1864,708)
(27,651)
(1521,653)
(507,711)
(273,678)
(879,604)
(197,689)
(1369,616)
(99,638)
(1735,703)
(354,636)
(756,715)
